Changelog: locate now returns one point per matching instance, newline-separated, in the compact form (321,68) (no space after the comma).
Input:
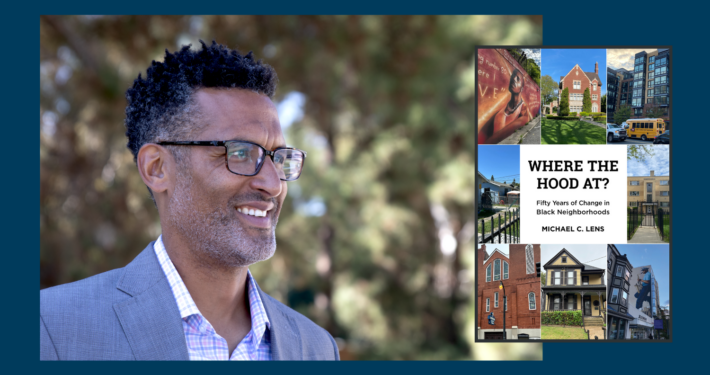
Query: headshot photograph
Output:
(263,187)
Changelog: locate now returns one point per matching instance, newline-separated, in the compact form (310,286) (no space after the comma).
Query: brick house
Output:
(577,81)
(516,271)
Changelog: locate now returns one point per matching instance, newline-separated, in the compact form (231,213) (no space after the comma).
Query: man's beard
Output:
(215,238)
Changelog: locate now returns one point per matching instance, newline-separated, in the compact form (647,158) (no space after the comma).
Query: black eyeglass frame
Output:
(226,153)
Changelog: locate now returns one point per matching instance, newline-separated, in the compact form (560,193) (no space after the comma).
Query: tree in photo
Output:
(492,178)
(587,101)
(548,89)
(603,103)
(639,152)
(655,111)
(564,103)
(622,114)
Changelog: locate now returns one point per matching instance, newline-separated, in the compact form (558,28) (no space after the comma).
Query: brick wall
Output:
(577,74)
(518,285)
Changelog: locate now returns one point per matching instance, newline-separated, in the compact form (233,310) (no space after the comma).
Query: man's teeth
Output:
(252,212)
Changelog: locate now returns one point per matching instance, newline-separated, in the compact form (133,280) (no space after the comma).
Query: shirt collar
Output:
(186,305)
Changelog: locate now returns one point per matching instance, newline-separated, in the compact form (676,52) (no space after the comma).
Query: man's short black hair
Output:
(160,107)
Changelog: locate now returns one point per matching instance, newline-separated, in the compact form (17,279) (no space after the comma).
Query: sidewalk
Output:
(646,235)
(596,331)
(593,123)
(518,135)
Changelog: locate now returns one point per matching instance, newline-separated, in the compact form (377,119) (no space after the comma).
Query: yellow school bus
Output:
(645,128)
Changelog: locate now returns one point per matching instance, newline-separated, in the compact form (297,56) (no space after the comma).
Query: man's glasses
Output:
(246,158)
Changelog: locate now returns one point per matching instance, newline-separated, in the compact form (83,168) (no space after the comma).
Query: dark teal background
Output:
(599,24)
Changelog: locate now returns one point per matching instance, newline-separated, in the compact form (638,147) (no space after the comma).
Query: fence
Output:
(662,221)
(651,215)
(508,200)
(505,224)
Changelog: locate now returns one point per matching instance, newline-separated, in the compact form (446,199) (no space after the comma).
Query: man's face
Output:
(210,205)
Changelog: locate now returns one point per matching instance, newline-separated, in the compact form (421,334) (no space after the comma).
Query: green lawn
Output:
(563,333)
(571,132)
(666,233)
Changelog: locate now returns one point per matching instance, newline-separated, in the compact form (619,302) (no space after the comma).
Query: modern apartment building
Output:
(651,84)
(576,81)
(612,93)
(649,192)
(519,300)
(618,277)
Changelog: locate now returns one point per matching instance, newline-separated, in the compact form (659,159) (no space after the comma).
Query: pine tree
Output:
(492,179)
(587,101)
(564,103)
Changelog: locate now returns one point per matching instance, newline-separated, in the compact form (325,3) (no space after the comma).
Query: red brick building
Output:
(577,81)
(517,272)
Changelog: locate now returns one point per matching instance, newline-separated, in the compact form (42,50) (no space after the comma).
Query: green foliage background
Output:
(388,124)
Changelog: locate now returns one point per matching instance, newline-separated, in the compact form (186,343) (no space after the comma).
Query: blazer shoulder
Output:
(101,287)
(319,342)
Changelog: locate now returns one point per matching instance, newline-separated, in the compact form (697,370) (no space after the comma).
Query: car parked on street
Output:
(615,133)
(664,138)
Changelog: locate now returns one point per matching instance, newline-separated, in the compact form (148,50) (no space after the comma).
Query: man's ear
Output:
(156,166)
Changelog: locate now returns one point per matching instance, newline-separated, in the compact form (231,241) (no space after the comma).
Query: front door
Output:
(587,306)
(493,336)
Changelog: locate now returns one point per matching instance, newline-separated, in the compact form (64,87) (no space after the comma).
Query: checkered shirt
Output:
(203,343)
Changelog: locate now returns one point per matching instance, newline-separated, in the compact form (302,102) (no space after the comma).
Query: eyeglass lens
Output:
(245,159)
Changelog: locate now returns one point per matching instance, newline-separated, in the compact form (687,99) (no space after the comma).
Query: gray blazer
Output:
(130,314)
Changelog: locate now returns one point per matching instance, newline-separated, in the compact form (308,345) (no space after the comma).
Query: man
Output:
(644,289)
(208,145)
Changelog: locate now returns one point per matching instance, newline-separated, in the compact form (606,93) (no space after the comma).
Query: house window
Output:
(634,193)
(577,84)
(632,204)
(634,183)
(570,303)
(564,259)
(570,277)
(488,304)
(627,275)
(531,300)
(557,278)
(624,297)
(496,270)
(505,270)
(595,108)
(665,204)
(608,264)
(664,193)
(488,273)
(619,271)
(585,280)
(663,182)
(594,86)
(556,304)
(495,300)
(615,295)
(595,96)
(529,260)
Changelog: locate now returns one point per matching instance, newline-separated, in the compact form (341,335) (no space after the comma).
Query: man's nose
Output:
(267,180)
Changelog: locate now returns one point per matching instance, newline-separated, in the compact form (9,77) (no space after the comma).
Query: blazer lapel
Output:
(150,319)
(285,339)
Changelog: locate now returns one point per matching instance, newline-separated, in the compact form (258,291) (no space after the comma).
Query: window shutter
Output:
(575,277)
